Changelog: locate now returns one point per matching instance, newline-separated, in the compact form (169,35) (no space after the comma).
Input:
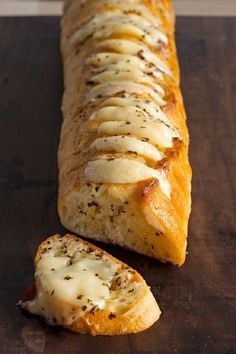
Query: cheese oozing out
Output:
(68,287)
(124,171)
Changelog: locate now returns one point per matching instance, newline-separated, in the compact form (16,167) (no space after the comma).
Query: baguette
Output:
(124,174)
(86,290)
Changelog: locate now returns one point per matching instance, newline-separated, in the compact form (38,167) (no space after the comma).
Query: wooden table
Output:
(197,300)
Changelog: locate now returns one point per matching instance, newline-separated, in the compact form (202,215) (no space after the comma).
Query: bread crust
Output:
(141,315)
(119,213)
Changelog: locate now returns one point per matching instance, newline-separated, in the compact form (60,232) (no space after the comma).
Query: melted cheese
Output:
(128,47)
(150,37)
(152,219)
(105,24)
(140,10)
(126,114)
(147,107)
(135,115)
(158,135)
(133,75)
(124,46)
(124,6)
(149,63)
(128,66)
(113,113)
(111,88)
(124,144)
(156,61)
(124,171)
(83,284)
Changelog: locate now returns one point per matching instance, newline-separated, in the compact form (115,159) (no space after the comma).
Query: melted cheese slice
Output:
(124,171)
(134,75)
(113,113)
(126,144)
(160,135)
(132,114)
(148,62)
(156,61)
(152,219)
(128,47)
(126,114)
(111,88)
(150,37)
(84,284)
(147,107)
(124,46)
(103,25)
(127,66)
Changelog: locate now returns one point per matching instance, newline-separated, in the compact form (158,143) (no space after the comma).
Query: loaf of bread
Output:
(124,175)
(84,289)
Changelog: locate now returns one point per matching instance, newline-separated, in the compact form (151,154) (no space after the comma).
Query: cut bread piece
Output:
(86,290)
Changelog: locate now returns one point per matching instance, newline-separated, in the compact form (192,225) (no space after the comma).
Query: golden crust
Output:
(145,199)
(142,313)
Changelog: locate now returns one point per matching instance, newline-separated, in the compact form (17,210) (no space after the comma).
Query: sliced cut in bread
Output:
(86,290)
(124,173)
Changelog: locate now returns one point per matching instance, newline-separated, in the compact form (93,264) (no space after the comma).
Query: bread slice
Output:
(86,290)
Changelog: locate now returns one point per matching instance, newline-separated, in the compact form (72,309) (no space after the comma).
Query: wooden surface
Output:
(197,300)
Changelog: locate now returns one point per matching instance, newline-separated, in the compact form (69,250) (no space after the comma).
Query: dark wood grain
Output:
(197,300)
